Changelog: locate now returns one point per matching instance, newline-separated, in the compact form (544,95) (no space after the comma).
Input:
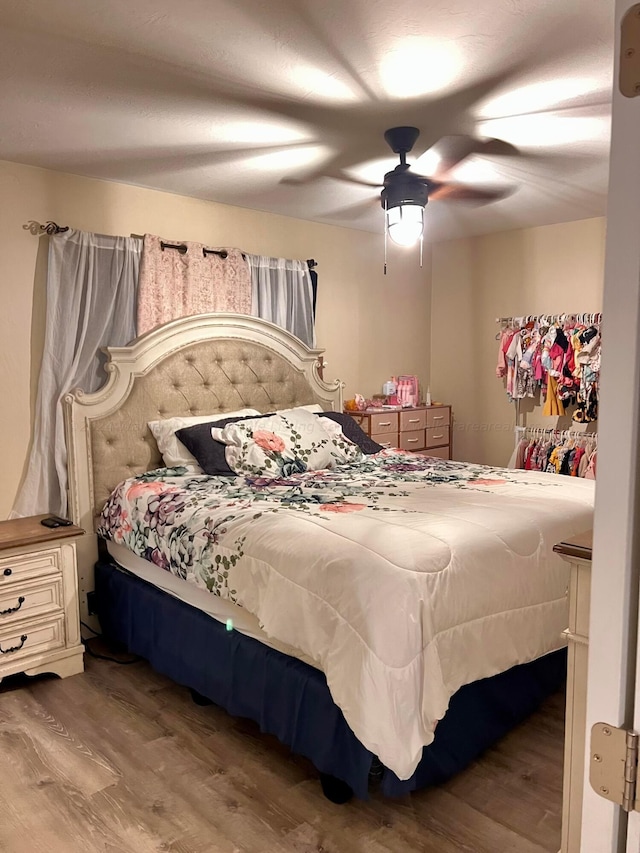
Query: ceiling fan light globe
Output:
(405,224)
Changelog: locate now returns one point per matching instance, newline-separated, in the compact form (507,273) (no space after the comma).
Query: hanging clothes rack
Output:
(557,451)
(554,358)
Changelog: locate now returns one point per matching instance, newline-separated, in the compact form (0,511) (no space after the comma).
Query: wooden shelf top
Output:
(576,546)
(28,531)
(395,409)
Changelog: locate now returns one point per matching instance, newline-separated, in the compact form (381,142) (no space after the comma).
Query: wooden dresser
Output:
(423,429)
(39,615)
(577,552)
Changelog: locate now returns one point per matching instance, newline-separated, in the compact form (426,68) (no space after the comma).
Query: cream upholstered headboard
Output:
(206,364)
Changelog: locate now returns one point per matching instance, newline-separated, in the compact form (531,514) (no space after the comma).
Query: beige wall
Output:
(551,269)
(372,326)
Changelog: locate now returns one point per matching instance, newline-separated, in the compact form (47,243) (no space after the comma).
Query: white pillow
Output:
(173,451)
(291,442)
(312,407)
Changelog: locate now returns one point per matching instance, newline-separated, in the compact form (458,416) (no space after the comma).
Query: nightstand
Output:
(39,616)
(422,429)
(577,552)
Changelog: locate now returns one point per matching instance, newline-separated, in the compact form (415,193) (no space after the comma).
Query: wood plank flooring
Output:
(121,760)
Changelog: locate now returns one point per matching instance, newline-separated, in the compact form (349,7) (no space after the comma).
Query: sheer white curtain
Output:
(91,303)
(282,293)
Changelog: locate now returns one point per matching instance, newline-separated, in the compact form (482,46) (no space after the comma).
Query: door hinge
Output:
(629,79)
(613,770)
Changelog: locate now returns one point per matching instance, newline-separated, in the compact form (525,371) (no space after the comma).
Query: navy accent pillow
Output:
(209,452)
(352,431)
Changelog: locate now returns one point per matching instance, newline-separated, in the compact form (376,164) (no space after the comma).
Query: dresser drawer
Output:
(361,420)
(30,637)
(27,566)
(438,417)
(437,436)
(383,422)
(412,421)
(29,599)
(414,440)
(438,452)
(386,439)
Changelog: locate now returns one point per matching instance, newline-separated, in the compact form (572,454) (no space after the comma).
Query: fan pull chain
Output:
(385,236)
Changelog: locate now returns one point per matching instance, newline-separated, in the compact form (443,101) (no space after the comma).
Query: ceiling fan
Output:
(405,193)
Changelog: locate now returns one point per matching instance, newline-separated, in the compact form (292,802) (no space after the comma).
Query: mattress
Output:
(403,577)
(220,609)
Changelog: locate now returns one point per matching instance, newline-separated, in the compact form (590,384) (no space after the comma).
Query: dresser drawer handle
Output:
(384,423)
(414,420)
(412,440)
(13,609)
(7,573)
(23,640)
(438,436)
(438,417)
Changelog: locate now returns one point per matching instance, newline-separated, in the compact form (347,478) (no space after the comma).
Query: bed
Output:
(388,618)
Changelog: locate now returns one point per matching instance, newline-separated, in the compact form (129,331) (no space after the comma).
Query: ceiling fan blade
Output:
(462,192)
(451,150)
(298,182)
(354,211)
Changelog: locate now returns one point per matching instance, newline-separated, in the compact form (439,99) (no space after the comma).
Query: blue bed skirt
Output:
(291,700)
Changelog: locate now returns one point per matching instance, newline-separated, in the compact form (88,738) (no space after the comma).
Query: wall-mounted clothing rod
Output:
(555,432)
(585,319)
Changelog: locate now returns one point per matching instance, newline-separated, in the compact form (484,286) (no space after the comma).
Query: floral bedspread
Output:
(404,577)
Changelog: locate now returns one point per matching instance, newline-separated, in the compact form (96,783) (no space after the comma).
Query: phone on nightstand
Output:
(56,521)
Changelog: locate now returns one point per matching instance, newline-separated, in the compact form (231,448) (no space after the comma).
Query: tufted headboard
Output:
(206,364)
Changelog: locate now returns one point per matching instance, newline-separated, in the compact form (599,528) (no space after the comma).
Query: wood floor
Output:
(120,759)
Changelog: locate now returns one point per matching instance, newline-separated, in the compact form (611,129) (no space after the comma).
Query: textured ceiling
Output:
(271,104)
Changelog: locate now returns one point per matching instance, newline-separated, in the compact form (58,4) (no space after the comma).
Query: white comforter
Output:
(403,577)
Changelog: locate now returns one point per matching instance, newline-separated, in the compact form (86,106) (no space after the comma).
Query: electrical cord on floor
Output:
(98,636)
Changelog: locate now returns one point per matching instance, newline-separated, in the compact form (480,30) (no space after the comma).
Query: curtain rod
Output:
(51,228)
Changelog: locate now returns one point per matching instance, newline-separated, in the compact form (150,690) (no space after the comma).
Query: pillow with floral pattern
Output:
(291,442)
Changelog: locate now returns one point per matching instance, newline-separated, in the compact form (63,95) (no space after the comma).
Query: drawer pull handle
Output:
(412,440)
(438,436)
(414,420)
(23,640)
(384,423)
(438,417)
(13,609)
(7,573)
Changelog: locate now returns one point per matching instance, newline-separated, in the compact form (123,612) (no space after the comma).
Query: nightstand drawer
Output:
(438,417)
(383,422)
(412,421)
(386,439)
(31,637)
(412,440)
(27,566)
(437,436)
(28,600)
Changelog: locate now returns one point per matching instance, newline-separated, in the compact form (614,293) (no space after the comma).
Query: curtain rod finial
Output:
(50,228)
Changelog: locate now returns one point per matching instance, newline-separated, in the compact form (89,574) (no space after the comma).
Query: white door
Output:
(613,641)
